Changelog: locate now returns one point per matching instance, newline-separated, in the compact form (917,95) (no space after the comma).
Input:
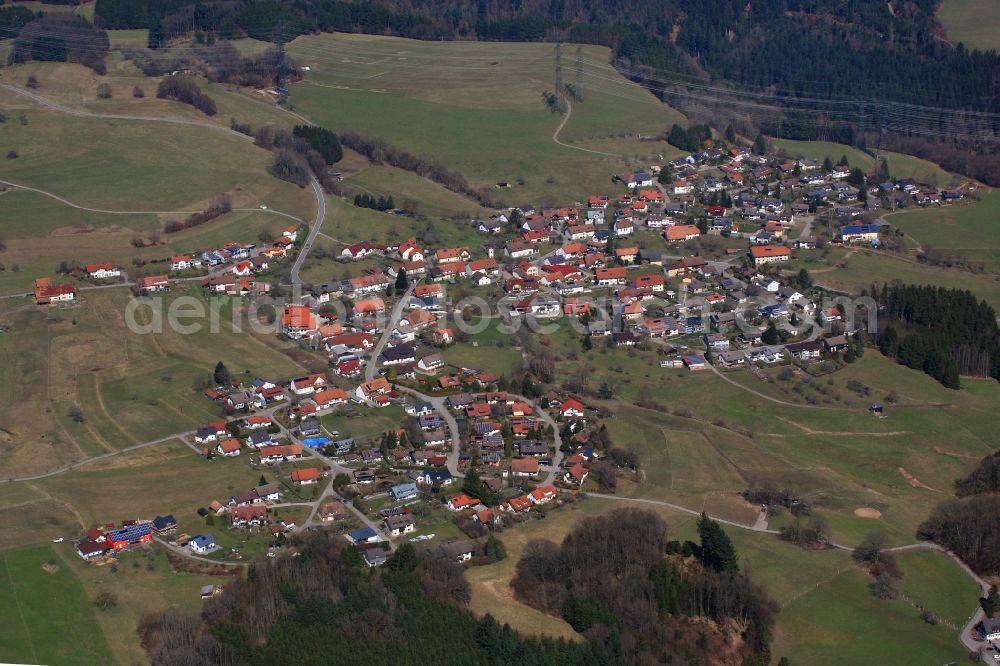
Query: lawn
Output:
(838,621)
(865,268)
(965,229)
(365,423)
(47,617)
(478,108)
(975,23)
(490,350)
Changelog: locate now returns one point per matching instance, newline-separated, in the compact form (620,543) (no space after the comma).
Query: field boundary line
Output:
(20,611)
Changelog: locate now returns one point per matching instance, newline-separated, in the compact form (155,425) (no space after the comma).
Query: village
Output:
(465,456)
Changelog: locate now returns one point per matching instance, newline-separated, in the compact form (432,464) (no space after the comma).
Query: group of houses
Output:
(100,542)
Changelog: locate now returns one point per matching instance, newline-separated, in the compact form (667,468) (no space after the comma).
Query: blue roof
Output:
(161,522)
(439,475)
(203,540)
(362,534)
(860,229)
(130,533)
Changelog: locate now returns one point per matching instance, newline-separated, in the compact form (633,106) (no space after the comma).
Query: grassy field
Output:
(965,229)
(973,22)
(834,452)
(866,267)
(827,612)
(85,160)
(367,424)
(75,86)
(454,100)
(402,186)
(131,387)
(900,166)
(839,621)
(47,617)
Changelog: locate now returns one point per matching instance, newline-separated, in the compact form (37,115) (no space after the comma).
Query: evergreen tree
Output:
(495,550)
(402,282)
(717,550)
(770,335)
(827,164)
(221,374)
(805,279)
(760,145)
(730,134)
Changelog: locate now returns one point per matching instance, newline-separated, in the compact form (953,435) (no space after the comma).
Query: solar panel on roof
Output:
(130,533)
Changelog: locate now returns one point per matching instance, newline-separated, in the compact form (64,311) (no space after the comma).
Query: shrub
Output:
(138,92)
(12,155)
(104,91)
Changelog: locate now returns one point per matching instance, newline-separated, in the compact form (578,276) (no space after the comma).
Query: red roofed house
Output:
(650,282)
(653,196)
(273,454)
(519,504)
(298,321)
(576,475)
(607,277)
(47,293)
(305,477)
(571,407)
(308,384)
(228,447)
(103,271)
(180,262)
(524,467)
(348,368)
(245,516)
(542,495)
(330,397)
(766,254)
(681,232)
(459,502)
(371,391)
(452,255)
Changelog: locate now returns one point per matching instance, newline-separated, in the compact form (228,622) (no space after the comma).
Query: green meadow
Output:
(478,108)
(47,617)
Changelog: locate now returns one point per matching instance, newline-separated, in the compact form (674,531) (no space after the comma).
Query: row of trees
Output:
(373,202)
(220,205)
(380,152)
(185,89)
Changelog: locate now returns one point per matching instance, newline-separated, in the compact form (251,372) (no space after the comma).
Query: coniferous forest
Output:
(944,332)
